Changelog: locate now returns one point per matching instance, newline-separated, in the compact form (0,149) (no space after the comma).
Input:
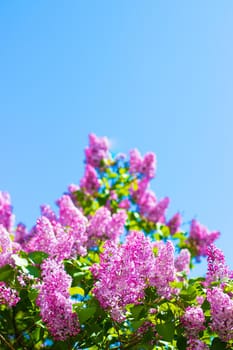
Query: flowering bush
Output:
(109,270)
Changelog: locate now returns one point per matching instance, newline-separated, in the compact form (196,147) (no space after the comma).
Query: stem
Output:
(6,342)
(18,336)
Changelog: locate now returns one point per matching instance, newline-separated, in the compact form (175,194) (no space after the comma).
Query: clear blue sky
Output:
(157,75)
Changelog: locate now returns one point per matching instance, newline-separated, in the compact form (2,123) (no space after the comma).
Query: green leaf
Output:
(85,313)
(6,273)
(205,306)
(32,294)
(166,330)
(34,271)
(217,344)
(181,343)
(188,294)
(137,324)
(137,311)
(37,257)
(165,315)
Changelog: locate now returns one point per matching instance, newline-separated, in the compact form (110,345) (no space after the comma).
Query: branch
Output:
(6,342)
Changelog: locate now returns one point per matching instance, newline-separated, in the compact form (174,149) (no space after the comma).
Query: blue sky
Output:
(156,75)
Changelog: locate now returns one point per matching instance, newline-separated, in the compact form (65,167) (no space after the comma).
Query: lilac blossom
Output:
(217,268)
(135,161)
(164,270)
(174,223)
(5,246)
(21,233)
(193,321)
(51,238)
(55,303)
(148,205)
(6,216)
(221,309)
(75,222)
(124,204)
(90,182)
(97,150)
(104,226)
(43,238)
(182,261)
(200,238)
(115,228)
(122,274)
(143,166)
(196,344)
(148,167)
(8,295)
(61,237)
(157,213)
(47,211)
(147,202)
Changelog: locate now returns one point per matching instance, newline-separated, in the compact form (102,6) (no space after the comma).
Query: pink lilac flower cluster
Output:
(122,274)
(61,237)
(164,270)
(143,166)
(6,247)
(148,205)
(97,151)
(196,344)
(182,261)
(54,301)
(90,182)
(104,226)
(218,271)
(200,238)
(221,309)
(8,295)
(75,222)
(125,270)
(193,321)
(174,223)
(6,216)
(21,233)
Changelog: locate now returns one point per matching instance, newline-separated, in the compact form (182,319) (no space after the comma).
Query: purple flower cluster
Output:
(104,226)
(5,246)
(174,223)
(143,166)
(54,301)
(6,216)
(193,321)
(217,268)
(196,344)
(75,222)
(8,295)
(90,182)
(61,237)
(97,150)
(200,238)
(123,273)
(221,308)
(182,261)
(126,270)
(148,205)
(164,270)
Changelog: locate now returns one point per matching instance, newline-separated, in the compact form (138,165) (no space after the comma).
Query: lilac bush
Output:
(109,270)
